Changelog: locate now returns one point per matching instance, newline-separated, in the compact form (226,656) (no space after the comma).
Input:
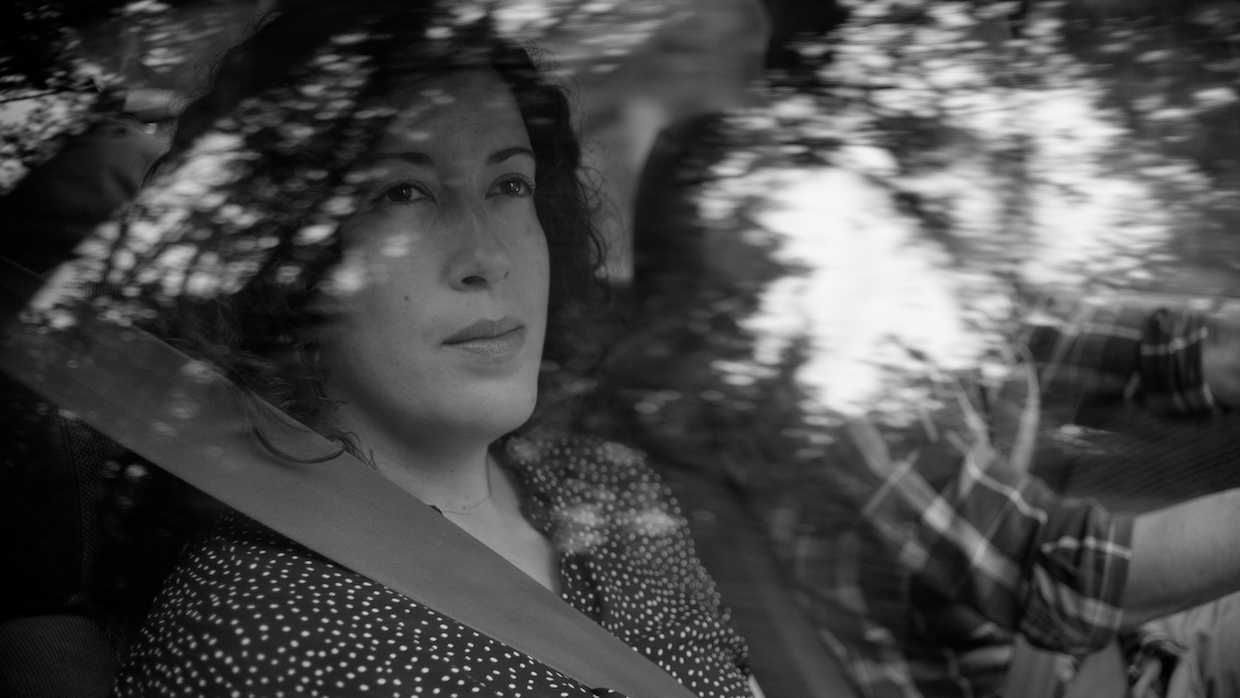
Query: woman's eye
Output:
(404,193)
(516,187)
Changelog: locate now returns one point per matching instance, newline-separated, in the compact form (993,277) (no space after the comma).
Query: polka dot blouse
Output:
(251,613)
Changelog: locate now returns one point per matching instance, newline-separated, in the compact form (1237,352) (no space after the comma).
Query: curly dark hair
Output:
(259,335)
(262,335)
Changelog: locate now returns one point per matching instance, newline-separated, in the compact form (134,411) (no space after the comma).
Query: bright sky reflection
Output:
(876,284)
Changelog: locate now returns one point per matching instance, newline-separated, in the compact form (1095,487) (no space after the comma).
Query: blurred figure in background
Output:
(923,552)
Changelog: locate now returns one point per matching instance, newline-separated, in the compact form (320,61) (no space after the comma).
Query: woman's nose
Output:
(481,257)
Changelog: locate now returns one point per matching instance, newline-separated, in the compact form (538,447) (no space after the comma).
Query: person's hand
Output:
(1220,356)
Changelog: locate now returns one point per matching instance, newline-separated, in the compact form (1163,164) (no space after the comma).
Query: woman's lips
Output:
(484,329)
(490,339)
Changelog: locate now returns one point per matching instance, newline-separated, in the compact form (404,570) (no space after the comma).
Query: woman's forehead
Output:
(468,101)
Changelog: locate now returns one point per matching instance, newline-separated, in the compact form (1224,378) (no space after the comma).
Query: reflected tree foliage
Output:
(46,94)
(65,64)
(208,223)
(921,185)
(886,217)
(1171,73)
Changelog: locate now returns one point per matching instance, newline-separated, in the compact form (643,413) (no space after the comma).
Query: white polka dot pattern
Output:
(251,613)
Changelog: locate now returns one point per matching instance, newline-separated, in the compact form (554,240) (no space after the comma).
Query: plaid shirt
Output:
(921,553)
(1136,350)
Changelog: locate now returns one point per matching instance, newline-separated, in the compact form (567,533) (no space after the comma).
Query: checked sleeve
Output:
(1027,559)
(1127,349)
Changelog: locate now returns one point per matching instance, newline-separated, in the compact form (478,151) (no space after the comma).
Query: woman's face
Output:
(441,298)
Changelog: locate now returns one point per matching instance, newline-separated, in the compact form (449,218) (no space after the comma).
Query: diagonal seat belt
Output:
(189,420)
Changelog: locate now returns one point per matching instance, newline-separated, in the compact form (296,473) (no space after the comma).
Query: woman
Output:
(372,220)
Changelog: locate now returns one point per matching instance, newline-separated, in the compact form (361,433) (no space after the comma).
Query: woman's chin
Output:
(493,415)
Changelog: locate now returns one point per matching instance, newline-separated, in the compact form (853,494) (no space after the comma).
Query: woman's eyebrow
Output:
(502,155)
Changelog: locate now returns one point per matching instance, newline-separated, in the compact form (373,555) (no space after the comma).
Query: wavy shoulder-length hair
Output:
(262,333)
(297,103)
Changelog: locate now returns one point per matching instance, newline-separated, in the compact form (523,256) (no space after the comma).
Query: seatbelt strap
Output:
(189,420)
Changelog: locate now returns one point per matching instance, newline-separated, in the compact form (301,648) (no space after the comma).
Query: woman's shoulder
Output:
(580,457)
(249,611)
(242,557)
(602,500)
(571,467)
(586,491)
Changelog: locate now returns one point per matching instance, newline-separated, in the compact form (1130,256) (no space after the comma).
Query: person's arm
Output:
(1171,359)
(1220,358)
(1085,349)
(1183,556)
(997,542)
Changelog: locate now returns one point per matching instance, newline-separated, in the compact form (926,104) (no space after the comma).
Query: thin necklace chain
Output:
(466,511)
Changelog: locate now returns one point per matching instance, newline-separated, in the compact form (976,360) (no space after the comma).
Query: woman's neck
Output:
(458,487)
(459,477)
(443,469)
